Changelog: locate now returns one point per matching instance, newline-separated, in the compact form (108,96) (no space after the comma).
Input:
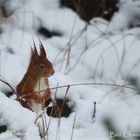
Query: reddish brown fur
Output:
(25,88)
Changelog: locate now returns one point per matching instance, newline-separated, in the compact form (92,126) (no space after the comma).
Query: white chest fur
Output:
(41,85)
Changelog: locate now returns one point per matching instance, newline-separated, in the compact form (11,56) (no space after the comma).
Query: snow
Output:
(102,52)
(128,14)
(17,119)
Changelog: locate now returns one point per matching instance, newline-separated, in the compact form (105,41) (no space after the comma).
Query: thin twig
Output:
(112,44)
(67,90)
(83,84)
(94,112)
(107,93)
(92,83)
(6,83)
(74,124)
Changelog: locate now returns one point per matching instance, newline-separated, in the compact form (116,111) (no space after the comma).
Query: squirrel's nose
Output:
(52,72)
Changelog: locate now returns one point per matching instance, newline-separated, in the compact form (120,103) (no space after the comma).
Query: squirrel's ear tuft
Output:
(34,52)
(42,50)
(34,55)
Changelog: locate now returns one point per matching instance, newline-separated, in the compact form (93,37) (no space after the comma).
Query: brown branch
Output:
(94,112)
(74,122)
(6,83)
(61,109)
(92,83)
(83,84)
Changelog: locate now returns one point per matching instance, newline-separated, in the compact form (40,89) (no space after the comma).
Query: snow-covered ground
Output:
(100,52)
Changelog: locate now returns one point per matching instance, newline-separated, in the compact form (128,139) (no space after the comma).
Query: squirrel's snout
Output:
(52,72)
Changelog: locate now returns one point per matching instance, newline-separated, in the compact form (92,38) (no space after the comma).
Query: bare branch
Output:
(92,83)
(6,83)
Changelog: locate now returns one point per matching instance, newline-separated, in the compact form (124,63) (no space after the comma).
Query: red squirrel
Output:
(36,80)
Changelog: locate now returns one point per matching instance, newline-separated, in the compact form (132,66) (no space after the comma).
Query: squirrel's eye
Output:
(41,66)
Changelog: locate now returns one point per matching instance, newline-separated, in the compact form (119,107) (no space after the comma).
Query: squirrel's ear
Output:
(42,50)
(34,55)
(34,52)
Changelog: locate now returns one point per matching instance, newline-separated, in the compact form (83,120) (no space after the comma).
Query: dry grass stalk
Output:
(74,121)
